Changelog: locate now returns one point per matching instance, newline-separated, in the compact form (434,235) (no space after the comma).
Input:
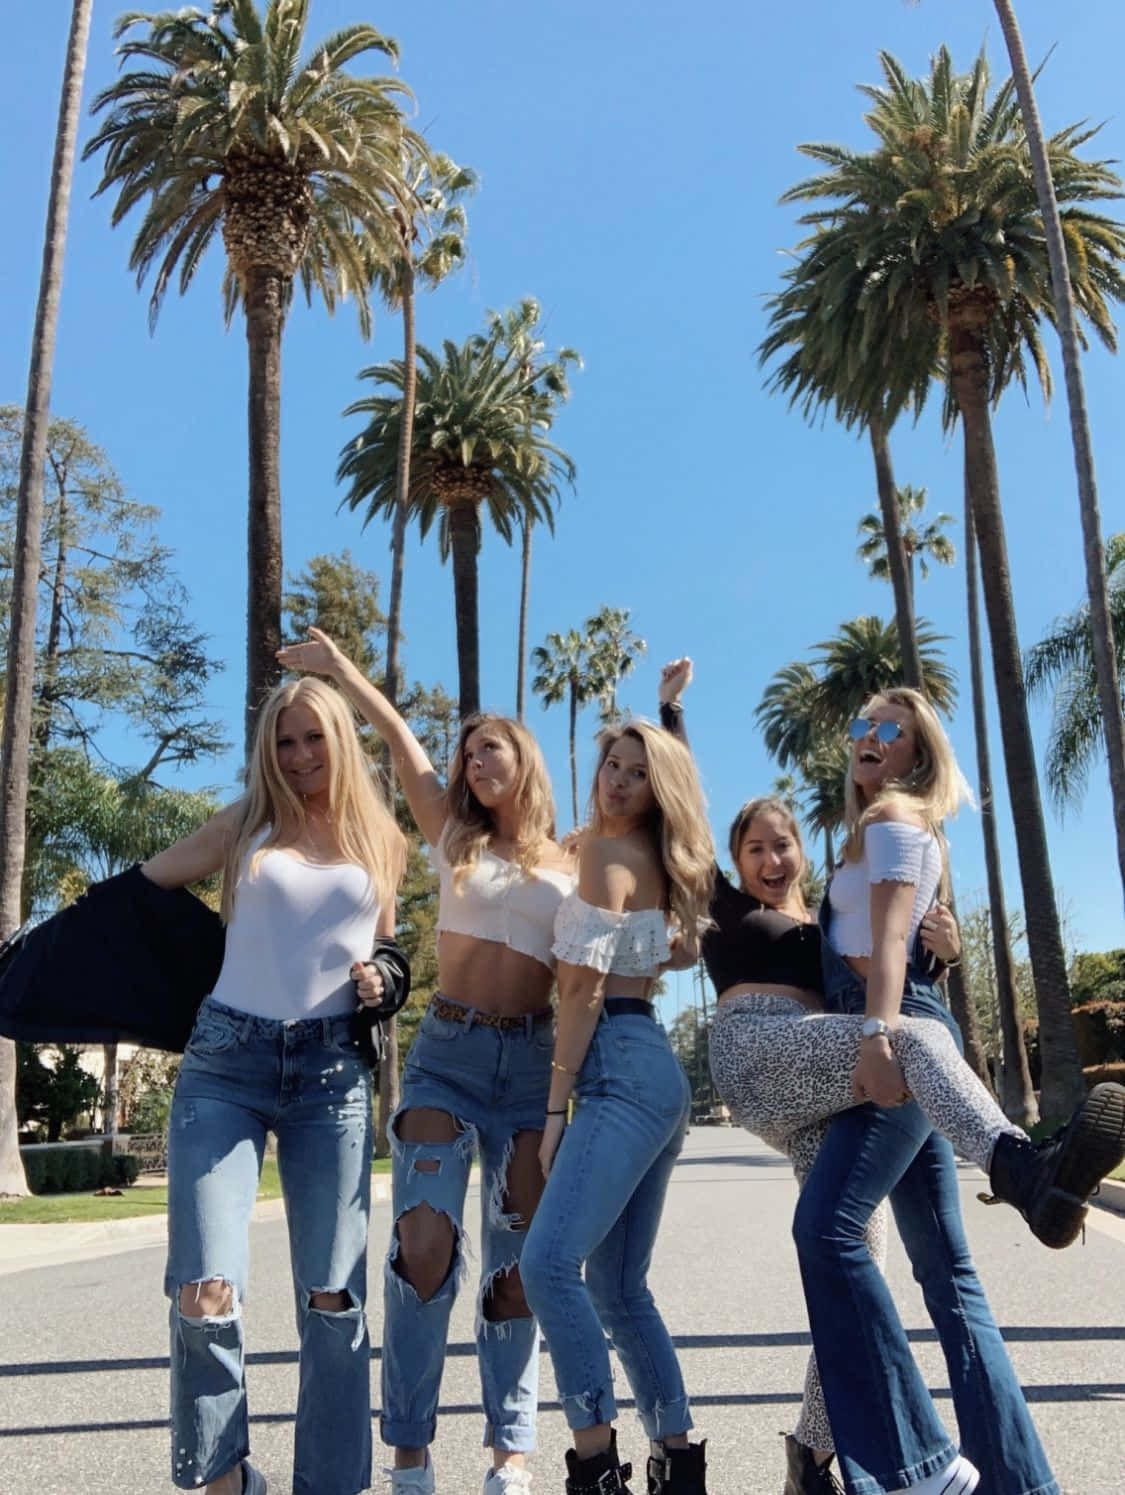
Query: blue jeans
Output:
(602,1208)
(886,1428)
(241,1077)
(494,1082)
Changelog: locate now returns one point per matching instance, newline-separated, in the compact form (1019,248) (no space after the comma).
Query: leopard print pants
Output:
(785,1072)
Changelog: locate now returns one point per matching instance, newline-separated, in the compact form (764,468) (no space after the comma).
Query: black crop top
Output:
(749,942)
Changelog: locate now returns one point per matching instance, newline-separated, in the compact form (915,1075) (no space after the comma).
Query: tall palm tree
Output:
(568,670)
(522,333)
(864,657)
(15,745)
(223,129)
(616,649)
(919,543)
(429,243)
(1016,1094)
(1104,648)
(940,226)
(480,442)
(1063,665)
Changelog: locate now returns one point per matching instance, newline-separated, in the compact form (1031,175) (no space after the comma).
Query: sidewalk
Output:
(25,1247)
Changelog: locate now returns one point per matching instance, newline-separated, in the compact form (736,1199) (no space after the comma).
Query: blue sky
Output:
(631,157)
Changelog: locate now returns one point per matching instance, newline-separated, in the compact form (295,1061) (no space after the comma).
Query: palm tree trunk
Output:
(109,1106)
(47,684)
(574,751)
(1063,1086)
(829,855)
(1101,626)
(464,536)
(1017,1095)
(896,555)
(15,745)
(525,589)
(264,295)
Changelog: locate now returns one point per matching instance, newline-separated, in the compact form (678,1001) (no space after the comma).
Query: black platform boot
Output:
(601,1474)
(1049,1182)
(678,1471)
(804,1476)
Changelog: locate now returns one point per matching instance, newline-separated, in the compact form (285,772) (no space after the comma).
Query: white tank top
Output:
(297,928)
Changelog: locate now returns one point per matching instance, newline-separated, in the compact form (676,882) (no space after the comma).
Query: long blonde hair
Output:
(469,826)
(678,824)
(934,788)
(365,829)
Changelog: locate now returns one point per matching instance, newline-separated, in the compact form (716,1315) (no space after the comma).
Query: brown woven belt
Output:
(453,1012)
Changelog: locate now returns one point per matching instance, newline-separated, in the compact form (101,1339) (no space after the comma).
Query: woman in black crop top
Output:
(784,1072)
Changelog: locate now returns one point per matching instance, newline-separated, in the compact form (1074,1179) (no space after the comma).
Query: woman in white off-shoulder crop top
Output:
(311,858)
(475,1080)
(646,866)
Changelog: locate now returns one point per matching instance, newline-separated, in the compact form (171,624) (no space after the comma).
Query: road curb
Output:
(1111,1196)
(25,1247)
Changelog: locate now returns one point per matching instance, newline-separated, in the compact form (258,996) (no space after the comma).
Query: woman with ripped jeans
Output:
(476,1080)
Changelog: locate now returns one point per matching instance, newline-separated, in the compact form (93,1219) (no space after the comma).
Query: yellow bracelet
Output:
(562,1069)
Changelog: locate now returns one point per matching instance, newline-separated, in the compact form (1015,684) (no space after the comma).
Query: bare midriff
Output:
(810,999)
(492,977)
(629,986)
(861,965)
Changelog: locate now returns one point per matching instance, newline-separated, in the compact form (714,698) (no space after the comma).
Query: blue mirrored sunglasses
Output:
(863,726)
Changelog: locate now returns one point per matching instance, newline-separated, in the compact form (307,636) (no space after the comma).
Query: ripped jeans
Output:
(601,1209)
(494,1083)
(306,1081)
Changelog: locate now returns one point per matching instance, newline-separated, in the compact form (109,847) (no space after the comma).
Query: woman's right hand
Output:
(319,656)
(675,678)
(877,1076)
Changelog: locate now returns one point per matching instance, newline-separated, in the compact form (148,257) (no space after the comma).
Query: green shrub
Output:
(76,1170)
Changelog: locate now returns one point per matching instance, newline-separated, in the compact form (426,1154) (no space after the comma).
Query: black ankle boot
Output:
(1049,1182)
(602,1474)
(679,1471)
(804,1476)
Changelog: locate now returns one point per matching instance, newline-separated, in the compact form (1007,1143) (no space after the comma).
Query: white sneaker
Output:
(510,1479)
(418,1481)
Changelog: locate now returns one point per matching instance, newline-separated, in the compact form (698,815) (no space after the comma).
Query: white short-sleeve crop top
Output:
(297,929)
(633,943)
(497,900)
(892,852)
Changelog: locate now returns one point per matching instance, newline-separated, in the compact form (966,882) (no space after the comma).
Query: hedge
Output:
(75,1170)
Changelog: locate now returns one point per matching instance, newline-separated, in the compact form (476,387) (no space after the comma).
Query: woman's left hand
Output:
(553,1128)
(940,933)
(368,983)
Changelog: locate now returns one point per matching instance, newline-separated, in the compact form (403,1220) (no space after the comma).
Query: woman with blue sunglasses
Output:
(785,1070)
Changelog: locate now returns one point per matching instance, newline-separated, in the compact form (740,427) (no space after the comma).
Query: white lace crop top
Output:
(892,852)
(497,900)
(297,929)
(634,943)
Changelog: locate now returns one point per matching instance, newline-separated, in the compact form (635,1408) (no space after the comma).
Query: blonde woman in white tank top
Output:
(311,861)
(475,1081)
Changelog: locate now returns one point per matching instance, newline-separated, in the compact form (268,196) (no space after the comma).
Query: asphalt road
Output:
(83,1350)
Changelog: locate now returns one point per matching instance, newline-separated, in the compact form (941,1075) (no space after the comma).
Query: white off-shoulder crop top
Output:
(634,943)
(497,900)
(892,852)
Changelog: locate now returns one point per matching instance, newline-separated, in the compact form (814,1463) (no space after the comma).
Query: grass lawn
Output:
(1118,1172)
(141,1199)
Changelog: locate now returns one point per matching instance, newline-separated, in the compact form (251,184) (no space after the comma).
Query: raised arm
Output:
(197,856)
(423,789)
(675,678)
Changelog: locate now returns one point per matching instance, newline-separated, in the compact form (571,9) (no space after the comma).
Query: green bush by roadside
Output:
(73,1170)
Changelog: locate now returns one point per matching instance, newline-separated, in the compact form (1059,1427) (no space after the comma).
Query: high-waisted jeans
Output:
(241,1077)
(494,1083)
(887,1432)
(601,1208)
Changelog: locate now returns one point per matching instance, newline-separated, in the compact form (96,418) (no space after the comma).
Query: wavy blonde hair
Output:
(935,787)
(678,823)
(767,804)
(469,826)
(365,829)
